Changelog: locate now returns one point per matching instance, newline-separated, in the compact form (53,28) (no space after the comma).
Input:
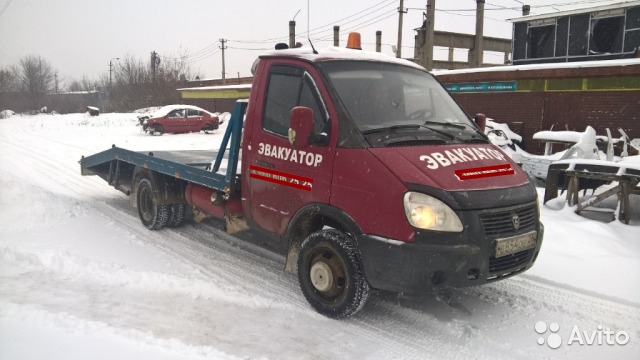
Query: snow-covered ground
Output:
(80,278)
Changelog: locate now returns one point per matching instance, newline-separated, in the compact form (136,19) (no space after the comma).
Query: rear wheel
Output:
(176,214)
(153,216)
(330,274)
(208,127)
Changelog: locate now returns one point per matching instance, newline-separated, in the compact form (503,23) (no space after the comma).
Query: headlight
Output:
(426,212)
(144,122)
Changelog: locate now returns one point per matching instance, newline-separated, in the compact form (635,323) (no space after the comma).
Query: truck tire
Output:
(330,274)
(176,214)
(153,217)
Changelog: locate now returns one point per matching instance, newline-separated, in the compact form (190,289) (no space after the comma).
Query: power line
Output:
(250,49)
(363,24)
(5,7)
(317,30)
(371,10)
(499,8)
(370,21)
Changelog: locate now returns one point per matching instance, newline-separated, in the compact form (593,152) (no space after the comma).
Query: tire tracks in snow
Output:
(44,161)
(461,326)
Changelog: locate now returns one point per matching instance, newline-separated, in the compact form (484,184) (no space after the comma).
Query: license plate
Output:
(514,244)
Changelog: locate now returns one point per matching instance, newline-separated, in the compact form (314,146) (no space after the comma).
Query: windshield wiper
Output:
(446,124)
(408,126)
(438,131)
(394,127)
(476,141)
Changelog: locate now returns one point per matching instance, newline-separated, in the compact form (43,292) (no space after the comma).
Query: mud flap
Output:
(235,224)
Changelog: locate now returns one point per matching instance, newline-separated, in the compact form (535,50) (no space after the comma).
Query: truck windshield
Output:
(380,96)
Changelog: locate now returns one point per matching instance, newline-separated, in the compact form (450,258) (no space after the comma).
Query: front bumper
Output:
(438,259)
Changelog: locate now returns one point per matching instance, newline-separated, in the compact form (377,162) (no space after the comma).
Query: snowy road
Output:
(81,278)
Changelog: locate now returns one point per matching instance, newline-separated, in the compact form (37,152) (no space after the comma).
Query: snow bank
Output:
(5,114)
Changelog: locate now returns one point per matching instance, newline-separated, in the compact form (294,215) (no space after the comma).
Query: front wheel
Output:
(153,216)
(330,274)
(157,129)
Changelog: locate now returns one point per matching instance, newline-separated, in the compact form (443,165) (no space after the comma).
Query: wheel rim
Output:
(327,274)
(146,205)
(321,276)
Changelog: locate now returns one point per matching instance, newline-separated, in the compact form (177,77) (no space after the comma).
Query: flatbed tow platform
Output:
(203,167)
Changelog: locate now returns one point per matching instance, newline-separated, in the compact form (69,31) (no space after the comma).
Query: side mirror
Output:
(300,126)
(481,120)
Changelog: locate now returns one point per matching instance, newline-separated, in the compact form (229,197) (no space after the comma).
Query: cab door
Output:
(282,178)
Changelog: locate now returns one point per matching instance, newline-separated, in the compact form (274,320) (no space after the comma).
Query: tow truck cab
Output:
(375,147)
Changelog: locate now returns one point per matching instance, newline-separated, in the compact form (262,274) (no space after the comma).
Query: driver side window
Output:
(290,87)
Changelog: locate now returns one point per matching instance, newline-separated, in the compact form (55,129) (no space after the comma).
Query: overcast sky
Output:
(79,37)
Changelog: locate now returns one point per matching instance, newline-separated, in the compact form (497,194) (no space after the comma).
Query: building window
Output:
(606,35)
(520,41)
(632,27)
(541,41)
(578,34)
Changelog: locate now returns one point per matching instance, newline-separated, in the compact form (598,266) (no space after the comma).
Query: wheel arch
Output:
(312,218)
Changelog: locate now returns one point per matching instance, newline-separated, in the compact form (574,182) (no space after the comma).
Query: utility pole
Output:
(222,41)
(155,61)
(430,34)
(423,51)
(400,13)
(110,69)
(292,34)
(478,47)
(153,66)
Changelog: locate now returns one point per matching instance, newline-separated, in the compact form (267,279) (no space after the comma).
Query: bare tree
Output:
(135,86)
(81,85)
(131,71)
(35,77)
(8,80)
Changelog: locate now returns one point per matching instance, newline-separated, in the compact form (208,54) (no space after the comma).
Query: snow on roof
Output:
(166,109)
(218,87)
(629,162)
(562,136)
(339,53)
(568,65)
(578,9)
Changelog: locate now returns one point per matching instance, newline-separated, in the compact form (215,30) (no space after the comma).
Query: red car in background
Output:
(179,119)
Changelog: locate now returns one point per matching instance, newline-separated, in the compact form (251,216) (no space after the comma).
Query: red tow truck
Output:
(363,165)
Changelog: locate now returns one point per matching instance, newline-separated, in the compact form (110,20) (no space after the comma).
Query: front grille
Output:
(506,262)
(501,223)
